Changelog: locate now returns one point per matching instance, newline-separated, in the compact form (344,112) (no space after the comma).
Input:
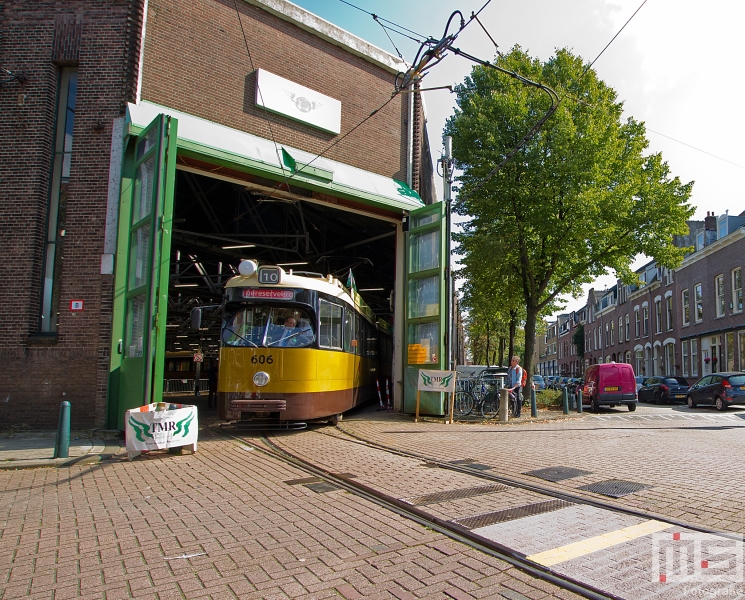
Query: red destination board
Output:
(271,294)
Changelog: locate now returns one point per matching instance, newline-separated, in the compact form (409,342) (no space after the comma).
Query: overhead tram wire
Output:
(263,104)
(382,19)
(695,148)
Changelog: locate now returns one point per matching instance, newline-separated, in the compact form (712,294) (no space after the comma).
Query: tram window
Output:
(265,326)
(331,324)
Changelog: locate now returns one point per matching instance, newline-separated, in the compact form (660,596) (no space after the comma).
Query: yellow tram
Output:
(296,347)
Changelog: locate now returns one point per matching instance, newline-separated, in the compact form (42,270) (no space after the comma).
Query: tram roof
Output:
(328,285)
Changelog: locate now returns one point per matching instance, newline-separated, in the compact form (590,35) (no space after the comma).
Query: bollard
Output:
(579,401)
(565,400)
(533,405)
(62,445)
(504,401)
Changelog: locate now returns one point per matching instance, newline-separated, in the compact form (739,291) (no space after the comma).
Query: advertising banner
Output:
(160,426)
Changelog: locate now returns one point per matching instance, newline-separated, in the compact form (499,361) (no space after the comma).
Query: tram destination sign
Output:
(268,294)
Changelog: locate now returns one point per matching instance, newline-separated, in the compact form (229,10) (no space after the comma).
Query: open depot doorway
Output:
(217,222)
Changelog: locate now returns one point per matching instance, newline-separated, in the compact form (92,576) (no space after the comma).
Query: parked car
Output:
(663,389)
(609,384)
(640,380)
(539,383)
(550,381)
(719,389)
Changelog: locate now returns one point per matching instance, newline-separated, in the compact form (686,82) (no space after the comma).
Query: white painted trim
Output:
(140,67)
(116,155)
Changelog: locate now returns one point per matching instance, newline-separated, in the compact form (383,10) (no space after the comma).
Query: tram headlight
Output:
(261,378)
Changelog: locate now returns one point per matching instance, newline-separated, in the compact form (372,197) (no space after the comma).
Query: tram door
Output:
(142,270)
(425,323)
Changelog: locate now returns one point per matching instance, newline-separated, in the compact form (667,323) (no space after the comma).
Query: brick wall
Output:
(196,62)
(40,37)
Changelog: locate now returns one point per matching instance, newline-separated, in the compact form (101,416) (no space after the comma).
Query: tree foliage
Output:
(581,198)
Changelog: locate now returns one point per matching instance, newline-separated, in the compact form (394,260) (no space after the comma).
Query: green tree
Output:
(578,339)
(580,199)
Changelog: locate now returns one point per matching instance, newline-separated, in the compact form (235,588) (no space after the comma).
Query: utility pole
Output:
(447,181)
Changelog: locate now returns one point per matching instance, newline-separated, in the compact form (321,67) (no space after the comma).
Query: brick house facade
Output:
(195,59)
(686,322)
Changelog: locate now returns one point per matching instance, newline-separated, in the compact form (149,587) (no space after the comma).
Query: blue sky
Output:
(677,66)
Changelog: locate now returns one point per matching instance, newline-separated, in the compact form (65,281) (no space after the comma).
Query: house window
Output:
(645,320)
(658,316)
(699,240)
(686,307)
(620,329)
(611,332)
(684,355)
(669,312)
(58,200)
(694,358)
(639,359)
(607,335)
(719,287)
(638,322)
(737,290)
(699,301)
(627,327)
(668,276)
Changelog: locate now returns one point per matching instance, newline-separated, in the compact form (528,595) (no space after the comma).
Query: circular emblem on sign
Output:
(303,104)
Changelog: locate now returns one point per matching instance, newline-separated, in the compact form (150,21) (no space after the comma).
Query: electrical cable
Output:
(382,19)
(263,104)
(694,148)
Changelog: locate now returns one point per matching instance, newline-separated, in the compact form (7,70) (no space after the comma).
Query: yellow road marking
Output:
(593,544)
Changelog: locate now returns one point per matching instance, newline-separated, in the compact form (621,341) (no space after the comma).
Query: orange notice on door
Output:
(417,354)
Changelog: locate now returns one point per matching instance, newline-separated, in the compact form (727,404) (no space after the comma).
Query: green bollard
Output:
(565,400)
(579,401)
(533,405)
(62,445)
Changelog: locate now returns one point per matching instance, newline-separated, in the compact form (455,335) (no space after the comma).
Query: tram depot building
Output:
(150,145)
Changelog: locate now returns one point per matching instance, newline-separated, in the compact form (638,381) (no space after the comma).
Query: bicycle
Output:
(490,404)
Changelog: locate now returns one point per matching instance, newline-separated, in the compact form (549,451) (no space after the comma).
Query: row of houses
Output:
(685,322)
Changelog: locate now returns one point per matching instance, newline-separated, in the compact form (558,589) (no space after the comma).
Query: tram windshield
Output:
(269,327)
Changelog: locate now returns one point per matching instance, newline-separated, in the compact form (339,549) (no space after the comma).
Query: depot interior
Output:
(219,222)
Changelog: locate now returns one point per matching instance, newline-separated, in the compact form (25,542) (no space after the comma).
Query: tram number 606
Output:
(261,359)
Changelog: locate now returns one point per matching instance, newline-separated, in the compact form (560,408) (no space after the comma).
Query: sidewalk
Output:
(34,449)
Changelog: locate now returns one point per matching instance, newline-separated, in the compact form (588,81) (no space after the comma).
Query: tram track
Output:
(530,487)
(449,529)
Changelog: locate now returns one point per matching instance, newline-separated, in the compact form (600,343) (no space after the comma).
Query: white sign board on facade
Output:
(436,381)
(295,101)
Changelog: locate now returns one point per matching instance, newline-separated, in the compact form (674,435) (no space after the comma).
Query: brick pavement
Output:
(605,446)
(223,524)
(689,458)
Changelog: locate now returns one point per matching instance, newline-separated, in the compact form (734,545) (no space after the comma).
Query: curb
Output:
(100,451)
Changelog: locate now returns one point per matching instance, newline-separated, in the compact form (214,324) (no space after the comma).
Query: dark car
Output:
(539,383)
(663,389)
(719,389)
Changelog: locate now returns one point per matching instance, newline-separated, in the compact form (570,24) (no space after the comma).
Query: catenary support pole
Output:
(62,445)
(447,160)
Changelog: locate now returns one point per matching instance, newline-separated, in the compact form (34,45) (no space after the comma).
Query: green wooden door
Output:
(425,323)
(142,270)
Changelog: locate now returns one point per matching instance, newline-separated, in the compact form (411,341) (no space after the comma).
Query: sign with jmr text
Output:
(295,101)
(159,426)
(436,381)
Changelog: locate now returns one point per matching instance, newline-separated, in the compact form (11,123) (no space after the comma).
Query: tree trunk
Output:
(530,320)
(513,327)
(486,359)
